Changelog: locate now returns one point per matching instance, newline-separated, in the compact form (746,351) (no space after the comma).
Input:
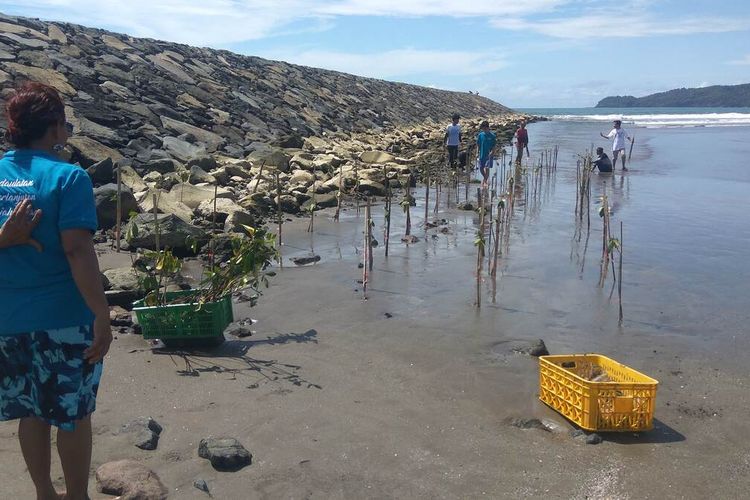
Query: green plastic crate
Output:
(178,322)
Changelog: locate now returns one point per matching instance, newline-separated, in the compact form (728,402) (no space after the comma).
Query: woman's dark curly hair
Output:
(33,109)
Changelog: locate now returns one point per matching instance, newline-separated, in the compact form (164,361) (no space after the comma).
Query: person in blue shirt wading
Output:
(54,318)
(486,141)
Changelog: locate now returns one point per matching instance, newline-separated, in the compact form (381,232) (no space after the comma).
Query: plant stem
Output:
(278,217)
(619,279)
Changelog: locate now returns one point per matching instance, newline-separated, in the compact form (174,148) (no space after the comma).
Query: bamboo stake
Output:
(426,195)
(118,224)
(407,206)
(388,204)
(365,257)
(619,280)
(260,176)
(356,184)
(368,215)
(500,205)
(278,218)
(156,221)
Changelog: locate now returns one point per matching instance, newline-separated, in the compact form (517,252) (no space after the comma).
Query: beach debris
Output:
(581,435)
(144,432)
(528,423)
(130,480)
(466,205)
(533,348)
(409,238)
(303,261)
(240,328)
(202,485)
(225,454)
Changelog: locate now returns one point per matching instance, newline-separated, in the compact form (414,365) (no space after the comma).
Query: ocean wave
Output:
(667,120)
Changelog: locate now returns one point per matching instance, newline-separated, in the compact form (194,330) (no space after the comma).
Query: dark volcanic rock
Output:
(225,454)
(105,198)
(173,232)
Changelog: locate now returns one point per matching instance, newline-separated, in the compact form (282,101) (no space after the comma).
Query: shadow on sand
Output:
(660,434)
(232,358)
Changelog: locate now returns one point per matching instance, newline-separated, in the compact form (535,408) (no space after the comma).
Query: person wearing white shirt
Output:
(618,145)
(453,140)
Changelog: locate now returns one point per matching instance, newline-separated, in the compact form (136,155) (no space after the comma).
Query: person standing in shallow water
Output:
(453,140)
(619,137)
(522,141)
(486,141)
(55,328)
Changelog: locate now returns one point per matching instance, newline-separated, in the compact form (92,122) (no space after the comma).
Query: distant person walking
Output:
(486,141)
(453,140)
(522,141)
(602,161)
(618,144)
(54,317)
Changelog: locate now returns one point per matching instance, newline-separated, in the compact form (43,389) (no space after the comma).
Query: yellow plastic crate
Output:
(624,404)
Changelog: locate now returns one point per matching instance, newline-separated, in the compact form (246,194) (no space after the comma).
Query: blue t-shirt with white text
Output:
(37,291)
(485,141)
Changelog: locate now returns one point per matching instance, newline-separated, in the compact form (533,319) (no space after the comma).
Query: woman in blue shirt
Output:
(55,326)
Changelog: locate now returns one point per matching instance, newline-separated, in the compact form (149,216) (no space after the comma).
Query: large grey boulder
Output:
(228,213)
(182,150)
(105,198)
(376,157)
(174,233)
(192,196)
(101,172)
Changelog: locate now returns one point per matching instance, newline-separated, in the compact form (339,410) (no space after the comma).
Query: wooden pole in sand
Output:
(340,194)
(156,221)
(260,176)
(369,233)
(118,224)
(426,195)
(630,153)
(388,204)
(366,251)
(278,218)
(619,280)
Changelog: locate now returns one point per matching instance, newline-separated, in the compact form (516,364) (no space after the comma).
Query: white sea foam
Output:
(667,120)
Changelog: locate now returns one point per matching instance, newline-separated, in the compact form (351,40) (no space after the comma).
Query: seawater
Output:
(651,117)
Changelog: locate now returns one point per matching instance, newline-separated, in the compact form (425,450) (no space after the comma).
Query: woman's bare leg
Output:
(74,448)
(33,434)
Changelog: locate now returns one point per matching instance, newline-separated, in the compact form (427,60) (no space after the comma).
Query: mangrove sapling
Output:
(498,218)
(479,242)
(184,179)
(340,193)
(311,209)
(260,176)
(437,192)
(406,205)
(366,248)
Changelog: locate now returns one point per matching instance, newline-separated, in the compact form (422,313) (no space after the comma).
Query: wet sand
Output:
(406,394)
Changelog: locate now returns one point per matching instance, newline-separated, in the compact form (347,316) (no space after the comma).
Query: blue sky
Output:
(522,53)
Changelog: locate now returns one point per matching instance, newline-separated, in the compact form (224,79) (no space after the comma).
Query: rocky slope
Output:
(186,125)
(121,88)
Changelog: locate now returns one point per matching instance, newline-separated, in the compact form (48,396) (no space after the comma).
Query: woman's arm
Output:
(17,228)
(79,250)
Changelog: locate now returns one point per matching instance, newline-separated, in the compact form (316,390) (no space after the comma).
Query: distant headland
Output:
(734,96)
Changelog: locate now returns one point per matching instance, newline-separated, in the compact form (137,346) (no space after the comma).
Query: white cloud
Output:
(742,61)
(223,22)
(399,62)
(424,8)
(622,25)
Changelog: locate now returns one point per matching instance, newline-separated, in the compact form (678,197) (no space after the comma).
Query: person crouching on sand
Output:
(618,145)
(602,162)
(486,141)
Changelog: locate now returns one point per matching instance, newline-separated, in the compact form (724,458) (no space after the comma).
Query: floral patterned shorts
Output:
(43,374)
